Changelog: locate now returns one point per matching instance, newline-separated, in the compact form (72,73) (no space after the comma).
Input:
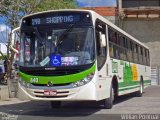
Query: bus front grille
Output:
(64,84)
(52,96)
(59,94)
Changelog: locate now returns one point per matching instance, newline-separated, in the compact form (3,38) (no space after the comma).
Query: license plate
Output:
(50,93)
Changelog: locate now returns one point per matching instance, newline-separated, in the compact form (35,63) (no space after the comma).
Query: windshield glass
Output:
(57,47)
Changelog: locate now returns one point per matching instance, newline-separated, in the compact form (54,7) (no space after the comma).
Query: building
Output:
(107,12)
(141,19)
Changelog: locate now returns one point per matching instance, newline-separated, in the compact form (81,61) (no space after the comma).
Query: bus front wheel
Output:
(55,104)
(108,102)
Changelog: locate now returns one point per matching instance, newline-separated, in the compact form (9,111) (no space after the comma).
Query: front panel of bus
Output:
(57,56)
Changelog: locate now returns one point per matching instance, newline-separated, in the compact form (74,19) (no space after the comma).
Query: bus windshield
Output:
(56,47)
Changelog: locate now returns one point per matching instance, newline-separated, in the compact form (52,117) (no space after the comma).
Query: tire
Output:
(55,104)
(140,92)
(108,102)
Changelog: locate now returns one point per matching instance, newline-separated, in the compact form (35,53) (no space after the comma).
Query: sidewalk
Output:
(4,92)
(12,101)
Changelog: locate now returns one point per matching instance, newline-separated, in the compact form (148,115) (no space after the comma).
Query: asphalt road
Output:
(125,105)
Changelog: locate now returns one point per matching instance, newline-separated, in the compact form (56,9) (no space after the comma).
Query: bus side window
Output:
(148,58)
(112,36)
(144,56)
(124,42)
(136,54)
(142,52)
(115,37)
(123,52)
(111,49)
(134,51)
(129,51)
(110,32)
(116,52)
(121,40)
(139,54)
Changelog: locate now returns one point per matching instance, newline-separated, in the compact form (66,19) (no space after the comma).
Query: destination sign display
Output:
(57,18)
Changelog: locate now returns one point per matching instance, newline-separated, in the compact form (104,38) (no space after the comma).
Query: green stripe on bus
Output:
(58,79)
(128,83)
(131,83)
(147,81)
(134,85)
(128,88)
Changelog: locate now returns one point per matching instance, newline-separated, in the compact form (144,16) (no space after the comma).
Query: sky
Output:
(4,30)
(96,3)
(3,37)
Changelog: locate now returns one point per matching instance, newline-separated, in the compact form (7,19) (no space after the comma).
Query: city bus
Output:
(78,55)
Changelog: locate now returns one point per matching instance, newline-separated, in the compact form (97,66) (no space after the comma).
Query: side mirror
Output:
(103,40)
(13,38)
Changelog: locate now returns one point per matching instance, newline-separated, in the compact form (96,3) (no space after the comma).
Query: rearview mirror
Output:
(14,37)
(103,40)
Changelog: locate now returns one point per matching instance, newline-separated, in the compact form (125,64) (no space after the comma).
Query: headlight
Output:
(24,83)
(84,81)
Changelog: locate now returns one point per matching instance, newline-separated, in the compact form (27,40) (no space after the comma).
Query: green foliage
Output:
(10,10)
(3,57)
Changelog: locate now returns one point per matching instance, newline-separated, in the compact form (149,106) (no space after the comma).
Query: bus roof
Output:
(96,15)
(78,10)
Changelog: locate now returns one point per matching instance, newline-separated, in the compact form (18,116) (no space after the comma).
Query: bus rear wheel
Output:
(108,102)
(140,92)
(55,104)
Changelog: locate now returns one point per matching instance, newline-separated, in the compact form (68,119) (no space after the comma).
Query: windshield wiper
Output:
(42,41)
(63,35)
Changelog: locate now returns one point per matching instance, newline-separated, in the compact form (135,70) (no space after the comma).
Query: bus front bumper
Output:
(65,93)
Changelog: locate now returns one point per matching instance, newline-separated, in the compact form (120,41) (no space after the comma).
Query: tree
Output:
(14,10)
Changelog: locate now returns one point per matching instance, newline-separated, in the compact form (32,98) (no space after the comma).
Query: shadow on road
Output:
(40,108)
(68,109)
(124,98)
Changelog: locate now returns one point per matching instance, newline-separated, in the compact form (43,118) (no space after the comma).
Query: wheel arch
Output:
(141,79)
(115,84)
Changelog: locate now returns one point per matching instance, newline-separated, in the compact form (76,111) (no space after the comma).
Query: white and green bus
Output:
(77,55)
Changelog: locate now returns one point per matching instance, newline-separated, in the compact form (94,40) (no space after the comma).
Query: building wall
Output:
(139,3)
(104,11)
(148,32)
(108,12)
(111,19)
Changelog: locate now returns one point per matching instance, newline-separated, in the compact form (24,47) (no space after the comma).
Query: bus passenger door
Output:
(101,51)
